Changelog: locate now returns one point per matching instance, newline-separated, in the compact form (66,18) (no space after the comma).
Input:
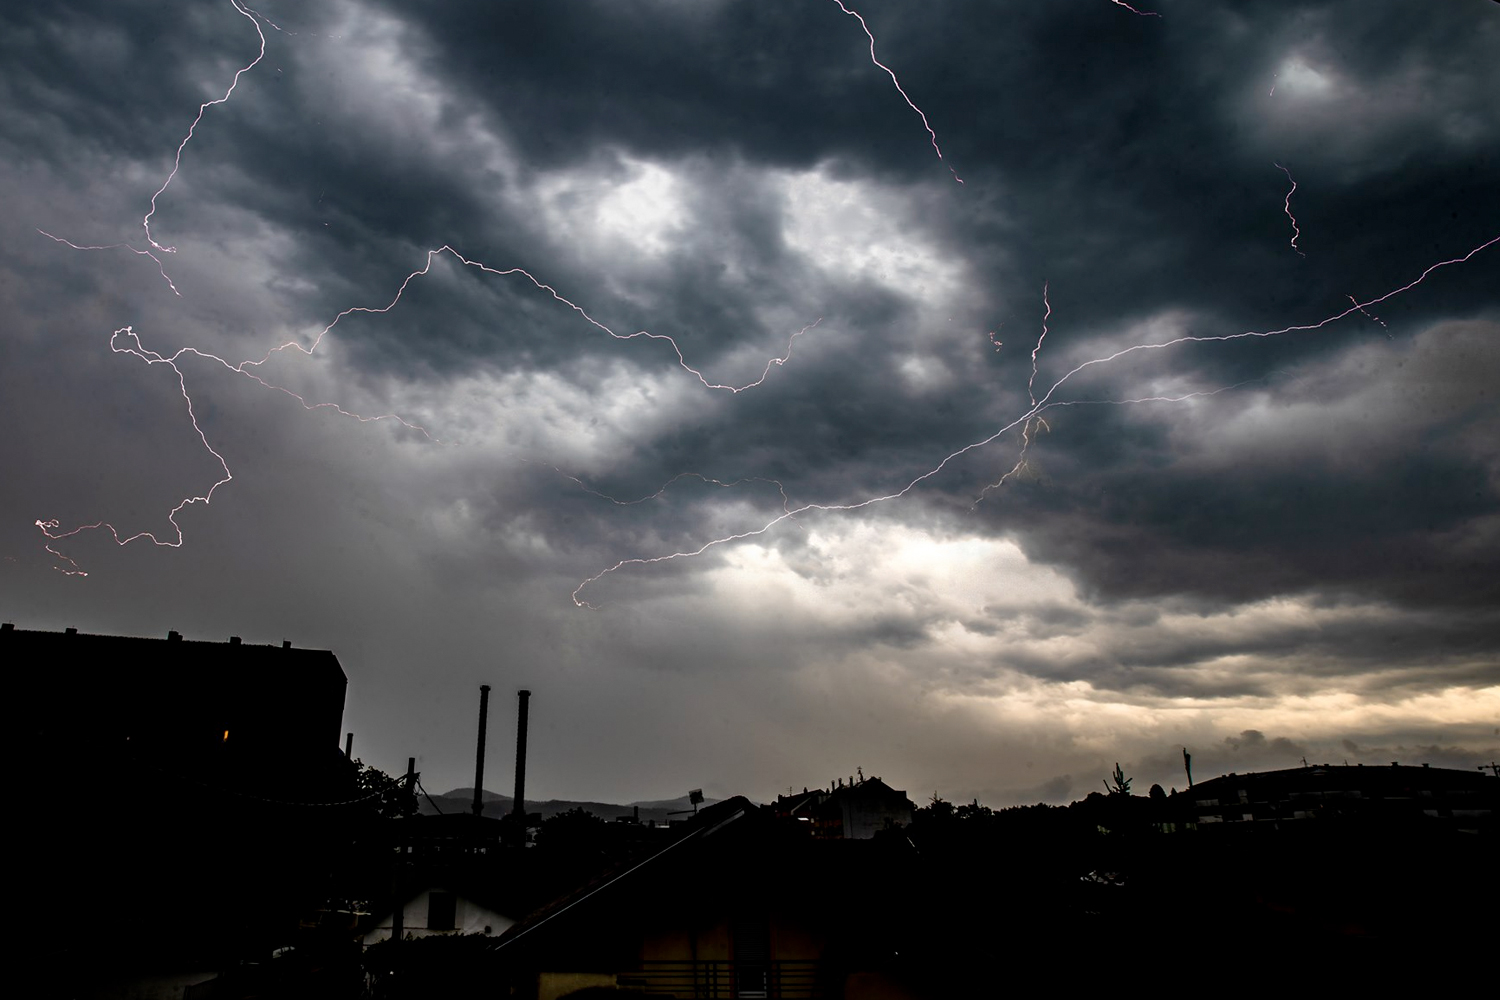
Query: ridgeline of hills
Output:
(461,800)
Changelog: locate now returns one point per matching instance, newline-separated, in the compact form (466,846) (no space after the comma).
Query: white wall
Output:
(468,918)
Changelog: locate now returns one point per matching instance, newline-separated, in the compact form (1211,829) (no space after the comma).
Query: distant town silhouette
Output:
(203,794)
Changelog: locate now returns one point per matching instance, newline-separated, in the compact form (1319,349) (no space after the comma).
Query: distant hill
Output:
(461,800)
(467,794)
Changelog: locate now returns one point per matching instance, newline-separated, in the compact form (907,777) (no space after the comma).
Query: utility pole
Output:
(398,873)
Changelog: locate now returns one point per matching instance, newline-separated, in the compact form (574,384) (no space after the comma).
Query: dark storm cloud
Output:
(1362,490)
(1129,163)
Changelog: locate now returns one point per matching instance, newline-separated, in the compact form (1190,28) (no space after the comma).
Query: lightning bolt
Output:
(1037,406)
(1370,315)
(193,128)
(126,341)
(1287,207)
(1183,397)
(51,528)
(247,368)
(1142,13)
(774,362)
(156,248)
(1031,394)
(891,73)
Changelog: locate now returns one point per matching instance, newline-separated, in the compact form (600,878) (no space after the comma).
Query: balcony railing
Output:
(785,980)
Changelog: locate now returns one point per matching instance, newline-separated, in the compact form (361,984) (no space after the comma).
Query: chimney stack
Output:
(484,721)
(520,803)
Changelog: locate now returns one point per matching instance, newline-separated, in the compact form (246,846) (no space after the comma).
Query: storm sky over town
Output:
(1270,533)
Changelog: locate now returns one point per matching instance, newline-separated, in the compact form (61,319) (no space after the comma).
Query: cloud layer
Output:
(1272,537)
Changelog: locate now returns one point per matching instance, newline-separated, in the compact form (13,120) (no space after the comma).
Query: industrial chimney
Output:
(520,803)
(484,717)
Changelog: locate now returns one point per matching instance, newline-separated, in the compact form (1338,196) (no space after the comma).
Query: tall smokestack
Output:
(520,804)
(484,721)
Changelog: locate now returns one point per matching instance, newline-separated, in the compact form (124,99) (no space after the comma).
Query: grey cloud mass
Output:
(1277,536)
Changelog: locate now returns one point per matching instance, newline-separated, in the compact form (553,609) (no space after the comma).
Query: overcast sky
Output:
(1287,546)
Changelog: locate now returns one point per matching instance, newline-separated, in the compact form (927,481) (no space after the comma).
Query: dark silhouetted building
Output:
(856,811)
(220,713)
(197,786)
(737,905)
(1370,796)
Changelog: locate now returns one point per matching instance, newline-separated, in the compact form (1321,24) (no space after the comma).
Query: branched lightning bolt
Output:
(1287,207)
(155,247)
(245,368)
(119,246)
(193,128)
(1037,407)
(909,103)
(50,527)
(774,362)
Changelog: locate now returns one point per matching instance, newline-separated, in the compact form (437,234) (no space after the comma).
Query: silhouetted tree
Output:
(973,812)
(1121,784)
(389,797)
(572,829)
(938,809)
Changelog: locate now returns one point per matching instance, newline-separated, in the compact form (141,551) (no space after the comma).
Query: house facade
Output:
(439,910)
(739,906)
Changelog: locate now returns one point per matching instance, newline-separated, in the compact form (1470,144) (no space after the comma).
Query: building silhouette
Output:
(1371,797)
(736,904)
(224,714)
(197,786)
(854,811)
